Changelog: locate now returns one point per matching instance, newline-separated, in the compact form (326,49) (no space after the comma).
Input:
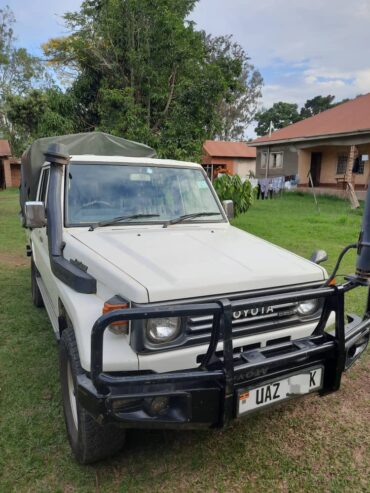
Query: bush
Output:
(232,188)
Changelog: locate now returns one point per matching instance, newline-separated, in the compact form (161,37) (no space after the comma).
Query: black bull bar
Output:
(100,391)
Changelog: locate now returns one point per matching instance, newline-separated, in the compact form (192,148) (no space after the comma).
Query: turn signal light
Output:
(116,303)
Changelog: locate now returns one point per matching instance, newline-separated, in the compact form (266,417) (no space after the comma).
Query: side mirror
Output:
(34,214)
(228,206)
(319,256)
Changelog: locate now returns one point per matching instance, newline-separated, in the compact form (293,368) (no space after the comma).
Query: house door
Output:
(315,169)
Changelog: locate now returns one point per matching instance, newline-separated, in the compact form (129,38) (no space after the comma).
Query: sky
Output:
(301,47)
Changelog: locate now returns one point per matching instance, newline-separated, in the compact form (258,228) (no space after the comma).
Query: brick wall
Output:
(16,174)
(7,173)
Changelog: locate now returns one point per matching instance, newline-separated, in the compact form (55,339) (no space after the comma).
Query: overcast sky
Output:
(302,47)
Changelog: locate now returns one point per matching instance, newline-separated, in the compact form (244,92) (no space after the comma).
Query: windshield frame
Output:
(142,222)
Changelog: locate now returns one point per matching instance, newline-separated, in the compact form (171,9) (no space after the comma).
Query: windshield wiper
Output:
(189,216)
(118,219)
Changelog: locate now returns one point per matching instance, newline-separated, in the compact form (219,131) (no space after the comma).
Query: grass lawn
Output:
(313,444)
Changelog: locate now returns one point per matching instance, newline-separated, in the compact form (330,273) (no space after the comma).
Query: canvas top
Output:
(96,143)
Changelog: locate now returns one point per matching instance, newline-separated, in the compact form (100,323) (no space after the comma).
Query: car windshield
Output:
(98,193)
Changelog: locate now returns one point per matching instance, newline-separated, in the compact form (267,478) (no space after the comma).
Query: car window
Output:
(44,185)
(103,192)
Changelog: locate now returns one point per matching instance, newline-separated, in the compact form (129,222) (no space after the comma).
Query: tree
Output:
(144,72)
(39,113)
(238,108)
(280,115)
(19,71)
(316,105)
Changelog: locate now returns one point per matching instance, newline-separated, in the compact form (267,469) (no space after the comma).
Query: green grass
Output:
(306,445)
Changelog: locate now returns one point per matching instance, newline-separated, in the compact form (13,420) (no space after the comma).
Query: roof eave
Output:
(310,138)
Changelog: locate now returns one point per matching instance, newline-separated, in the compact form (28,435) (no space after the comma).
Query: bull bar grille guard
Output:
(340,348)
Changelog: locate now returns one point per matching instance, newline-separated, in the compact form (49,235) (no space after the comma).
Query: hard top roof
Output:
(92,158)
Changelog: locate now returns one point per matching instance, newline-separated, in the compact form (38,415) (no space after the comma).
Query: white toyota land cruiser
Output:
(167,316)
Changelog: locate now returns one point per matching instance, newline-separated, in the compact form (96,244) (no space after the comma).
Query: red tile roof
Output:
(221,148)
(5,148)
(350,117)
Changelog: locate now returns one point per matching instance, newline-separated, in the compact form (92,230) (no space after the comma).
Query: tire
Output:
(90,441)
(35,291)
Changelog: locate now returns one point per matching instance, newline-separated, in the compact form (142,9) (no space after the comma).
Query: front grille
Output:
(238,350)
(246,323)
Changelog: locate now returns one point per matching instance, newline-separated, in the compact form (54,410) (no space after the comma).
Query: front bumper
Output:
(207,396)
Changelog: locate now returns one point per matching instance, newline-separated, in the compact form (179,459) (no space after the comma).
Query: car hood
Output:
(188,261)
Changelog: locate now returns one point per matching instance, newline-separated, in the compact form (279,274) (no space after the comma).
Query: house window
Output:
(342,164)
(359,166)
(263,159)
(275,160)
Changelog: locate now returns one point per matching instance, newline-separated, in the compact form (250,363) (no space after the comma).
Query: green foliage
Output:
(135,68)
(280,115)
(18,69)
(316,105)
(144,72)
(231,187)
(39,113)
(19,72)
(238,108)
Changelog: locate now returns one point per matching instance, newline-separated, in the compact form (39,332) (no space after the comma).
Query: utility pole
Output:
(268,152)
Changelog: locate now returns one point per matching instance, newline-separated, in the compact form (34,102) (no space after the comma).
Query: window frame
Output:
(264,161)
(45,175)
(339,156)
(223,219)
(361,167)
(275,154)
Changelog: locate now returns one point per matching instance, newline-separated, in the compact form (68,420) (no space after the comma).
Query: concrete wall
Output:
(240,166)
(328,175)
(290,161)
(243,167)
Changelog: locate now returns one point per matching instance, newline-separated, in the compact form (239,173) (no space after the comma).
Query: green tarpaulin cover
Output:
(96,143)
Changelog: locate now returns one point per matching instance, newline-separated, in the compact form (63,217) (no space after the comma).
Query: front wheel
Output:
(89,440)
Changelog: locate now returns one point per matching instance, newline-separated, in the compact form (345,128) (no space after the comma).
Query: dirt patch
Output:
(13,260)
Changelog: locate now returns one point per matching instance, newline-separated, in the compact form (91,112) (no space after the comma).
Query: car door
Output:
(40,248)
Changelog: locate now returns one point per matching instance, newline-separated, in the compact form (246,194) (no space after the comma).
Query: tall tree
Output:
(40,113)
(280,115)
(238,108)
(316,105)
(19,71)
(145,72)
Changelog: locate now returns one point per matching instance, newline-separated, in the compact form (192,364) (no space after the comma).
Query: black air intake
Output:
(363,252)
(63,269)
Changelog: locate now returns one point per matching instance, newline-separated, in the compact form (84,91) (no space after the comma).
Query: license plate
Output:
(291,386)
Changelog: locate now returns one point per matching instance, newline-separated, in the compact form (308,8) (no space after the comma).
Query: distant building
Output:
(10,168)
(320,146)
(228,157)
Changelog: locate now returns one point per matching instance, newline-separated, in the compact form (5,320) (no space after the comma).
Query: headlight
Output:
(308,307)
(161,330)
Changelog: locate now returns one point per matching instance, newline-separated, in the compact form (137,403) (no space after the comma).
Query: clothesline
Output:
(267,187)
